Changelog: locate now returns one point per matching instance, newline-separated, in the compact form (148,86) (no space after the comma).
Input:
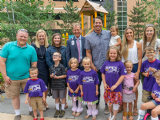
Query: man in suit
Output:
(75,46)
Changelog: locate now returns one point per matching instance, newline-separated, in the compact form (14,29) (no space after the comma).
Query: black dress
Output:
(41,63)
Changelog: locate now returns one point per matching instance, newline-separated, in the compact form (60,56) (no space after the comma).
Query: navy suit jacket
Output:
(72,50)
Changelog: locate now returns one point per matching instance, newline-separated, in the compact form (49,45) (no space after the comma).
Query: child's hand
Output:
(44,100)
(105,86)
(56,77)
(97,93)
(146,74)
(113,87)
(134,89)
(51,75)
(153,96)
(152,69)
(26,102)
(81,94)
(76,91)
(72,91)
(157,99)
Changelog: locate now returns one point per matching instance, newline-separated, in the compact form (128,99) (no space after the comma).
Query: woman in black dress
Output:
(41,45)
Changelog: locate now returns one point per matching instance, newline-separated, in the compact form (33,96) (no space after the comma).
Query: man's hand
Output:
(56,77)
(7,80)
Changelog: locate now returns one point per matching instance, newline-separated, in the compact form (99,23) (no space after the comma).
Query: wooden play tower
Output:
(91,9)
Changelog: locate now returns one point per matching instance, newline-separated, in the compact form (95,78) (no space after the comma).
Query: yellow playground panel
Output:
(90,9)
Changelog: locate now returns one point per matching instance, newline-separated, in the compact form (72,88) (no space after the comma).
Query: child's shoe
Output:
(94,117)
(87,116)
(77,114)
(62,113)
(140,117)
(130,115)
(41,118)
(57,113)
(35,118)
(73,113)
(124,115)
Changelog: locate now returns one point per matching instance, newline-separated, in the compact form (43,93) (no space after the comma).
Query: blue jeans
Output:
(99,85)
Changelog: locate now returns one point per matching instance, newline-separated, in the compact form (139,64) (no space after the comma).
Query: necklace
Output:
(42,53)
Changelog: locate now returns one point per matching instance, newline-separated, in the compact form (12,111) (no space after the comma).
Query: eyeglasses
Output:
(24,30)
(56,56)
(149,25)
(149,53)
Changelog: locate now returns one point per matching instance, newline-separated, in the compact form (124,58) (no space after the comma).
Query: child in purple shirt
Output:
(35,89)
(88,81)
(113,71)
(149,80)
(155,103)
(74,91)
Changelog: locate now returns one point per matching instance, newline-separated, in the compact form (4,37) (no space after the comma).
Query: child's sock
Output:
(17,112)
(141,114)
(57,106)
(63,105)
(154,118)
(30,109)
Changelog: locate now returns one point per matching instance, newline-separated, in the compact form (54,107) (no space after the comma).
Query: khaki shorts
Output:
(36,103)
(13,90)
(145,95)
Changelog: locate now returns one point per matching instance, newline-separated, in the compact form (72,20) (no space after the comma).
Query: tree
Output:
(70,16)
(111,17)
(138,18)
(30,15)
(153,12)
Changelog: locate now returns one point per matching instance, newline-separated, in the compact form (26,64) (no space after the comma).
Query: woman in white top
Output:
(150,38)
(132,50)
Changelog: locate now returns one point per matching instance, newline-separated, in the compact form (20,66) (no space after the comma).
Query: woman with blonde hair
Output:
(132,50)
(41,45)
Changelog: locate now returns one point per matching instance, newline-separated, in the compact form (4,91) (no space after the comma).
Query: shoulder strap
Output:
(145,52)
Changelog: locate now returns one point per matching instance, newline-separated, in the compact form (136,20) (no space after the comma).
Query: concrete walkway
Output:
(7,111)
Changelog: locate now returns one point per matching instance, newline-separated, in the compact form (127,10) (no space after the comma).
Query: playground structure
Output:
(91,9)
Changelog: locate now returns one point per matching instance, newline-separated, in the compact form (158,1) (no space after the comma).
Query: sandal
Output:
(66,106)
(124,115)
(87,116)
(120,108)
(77,114)
(73,113)
(94,117)
(135,111)
(130,115)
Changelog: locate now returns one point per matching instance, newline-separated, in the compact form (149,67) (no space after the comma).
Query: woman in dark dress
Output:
(57,47)
(41,45)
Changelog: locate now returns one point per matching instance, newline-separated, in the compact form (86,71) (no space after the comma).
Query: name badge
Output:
(72,42)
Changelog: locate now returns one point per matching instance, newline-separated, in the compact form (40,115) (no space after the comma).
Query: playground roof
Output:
(89,7)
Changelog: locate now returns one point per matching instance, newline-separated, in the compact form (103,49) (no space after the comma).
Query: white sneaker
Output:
(106,111)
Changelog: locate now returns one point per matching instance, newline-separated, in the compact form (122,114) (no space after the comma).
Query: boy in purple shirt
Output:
(155,103)
(35,89)
(149,80)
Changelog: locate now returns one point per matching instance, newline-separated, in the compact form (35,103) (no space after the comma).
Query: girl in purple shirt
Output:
(88,81)
(113,71)
(155,103)
(74,91)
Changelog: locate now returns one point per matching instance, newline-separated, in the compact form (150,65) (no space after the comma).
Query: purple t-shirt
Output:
(149,81)
(35,88)
(89,80)
(156,91)
(72,79)
(113,71)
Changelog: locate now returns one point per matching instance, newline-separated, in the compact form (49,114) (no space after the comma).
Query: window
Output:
(122,15)
(67,0)
(96,0)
